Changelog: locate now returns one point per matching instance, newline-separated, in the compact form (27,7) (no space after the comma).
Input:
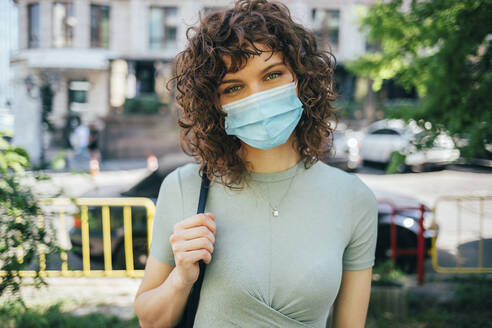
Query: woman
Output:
(285,236)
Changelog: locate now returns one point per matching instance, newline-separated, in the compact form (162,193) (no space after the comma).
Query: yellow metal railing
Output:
(104,203)
(459,203)
(128,203)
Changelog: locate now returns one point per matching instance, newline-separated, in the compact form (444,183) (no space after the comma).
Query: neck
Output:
(273,160)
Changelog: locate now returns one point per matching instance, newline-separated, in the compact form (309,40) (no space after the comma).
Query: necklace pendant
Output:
(275,212)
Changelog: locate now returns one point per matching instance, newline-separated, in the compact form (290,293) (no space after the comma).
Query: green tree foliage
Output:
(22,236)
(442,48)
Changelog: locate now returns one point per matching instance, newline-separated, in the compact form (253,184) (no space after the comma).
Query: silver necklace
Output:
(275,211)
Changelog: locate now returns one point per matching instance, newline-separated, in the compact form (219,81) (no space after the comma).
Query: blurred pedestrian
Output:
(80,140)
(93,145)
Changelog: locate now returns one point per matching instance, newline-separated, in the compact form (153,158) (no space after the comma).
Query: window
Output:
(77,95)
(33,25)
(386,132)
(345,83)
(63,21)
(77,91)
(100,26)
(145,74)
(326,26)
(163,27)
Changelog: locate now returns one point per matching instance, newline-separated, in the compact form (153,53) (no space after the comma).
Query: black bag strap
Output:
(188,317)
(203,191)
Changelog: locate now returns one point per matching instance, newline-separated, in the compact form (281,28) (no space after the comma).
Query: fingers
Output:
(205,219)
(197,232)
(189,257)
(194,237)
(193,244)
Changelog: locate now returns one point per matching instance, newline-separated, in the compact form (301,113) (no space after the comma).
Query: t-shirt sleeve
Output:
(360,251)
(168,211)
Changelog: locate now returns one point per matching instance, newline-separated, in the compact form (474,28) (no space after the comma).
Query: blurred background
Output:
(106,64)
(84,114)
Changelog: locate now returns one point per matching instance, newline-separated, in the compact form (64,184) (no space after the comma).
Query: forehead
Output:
(265,58)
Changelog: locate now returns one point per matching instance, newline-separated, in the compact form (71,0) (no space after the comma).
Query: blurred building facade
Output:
(8,43)
(103,58)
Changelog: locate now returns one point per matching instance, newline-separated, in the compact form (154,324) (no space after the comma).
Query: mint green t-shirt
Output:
(273,271)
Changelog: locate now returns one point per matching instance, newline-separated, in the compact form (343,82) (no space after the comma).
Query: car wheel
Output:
(402,168)
(417,168)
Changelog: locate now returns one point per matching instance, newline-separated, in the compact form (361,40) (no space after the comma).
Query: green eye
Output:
(229,90)
(276,74)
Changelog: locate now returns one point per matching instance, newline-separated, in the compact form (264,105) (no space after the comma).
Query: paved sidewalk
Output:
(85,295)
(437,287)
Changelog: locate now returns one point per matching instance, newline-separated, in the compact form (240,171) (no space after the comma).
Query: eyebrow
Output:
(262,71)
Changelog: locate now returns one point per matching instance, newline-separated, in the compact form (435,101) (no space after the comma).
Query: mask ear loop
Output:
(295,83)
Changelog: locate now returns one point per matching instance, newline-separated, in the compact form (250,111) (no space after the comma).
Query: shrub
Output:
(143,104)
(22,237)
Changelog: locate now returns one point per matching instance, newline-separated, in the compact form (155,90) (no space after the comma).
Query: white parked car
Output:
(345,151)
(385,136)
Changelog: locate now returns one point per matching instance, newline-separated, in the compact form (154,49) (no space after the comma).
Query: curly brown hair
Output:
(200,66)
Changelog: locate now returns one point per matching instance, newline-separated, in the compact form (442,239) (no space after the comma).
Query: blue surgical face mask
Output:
(265,119)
